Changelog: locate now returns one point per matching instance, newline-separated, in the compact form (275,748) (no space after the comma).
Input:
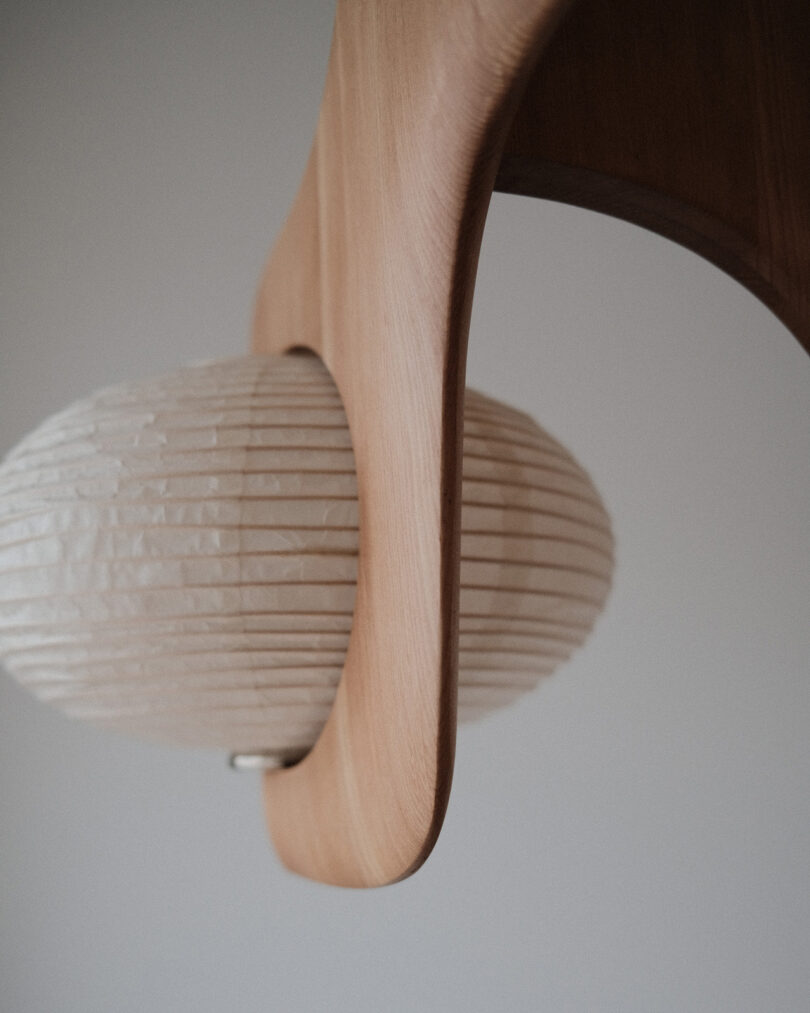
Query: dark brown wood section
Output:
(689,118)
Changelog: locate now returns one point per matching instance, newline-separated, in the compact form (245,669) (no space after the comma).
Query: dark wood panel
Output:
(689,118)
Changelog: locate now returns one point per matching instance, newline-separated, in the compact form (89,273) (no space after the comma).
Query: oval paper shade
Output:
(178,557)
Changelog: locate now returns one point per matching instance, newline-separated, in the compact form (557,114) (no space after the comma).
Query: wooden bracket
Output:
(374,271)
(688,118)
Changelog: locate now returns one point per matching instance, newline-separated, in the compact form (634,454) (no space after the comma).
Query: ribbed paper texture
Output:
(178,557)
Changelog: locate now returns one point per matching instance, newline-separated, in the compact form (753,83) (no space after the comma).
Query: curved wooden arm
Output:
(374,271)
(688,118)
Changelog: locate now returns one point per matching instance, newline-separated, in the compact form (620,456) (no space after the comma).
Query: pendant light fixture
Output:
(319,561)
(179,557)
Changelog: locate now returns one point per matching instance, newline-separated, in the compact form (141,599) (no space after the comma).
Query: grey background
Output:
(632,837)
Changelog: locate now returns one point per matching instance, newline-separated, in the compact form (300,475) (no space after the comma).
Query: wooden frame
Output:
(374,271)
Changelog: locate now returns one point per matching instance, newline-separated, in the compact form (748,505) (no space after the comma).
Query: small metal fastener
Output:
(262,761)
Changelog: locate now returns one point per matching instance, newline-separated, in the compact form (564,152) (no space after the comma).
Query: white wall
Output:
(634,836)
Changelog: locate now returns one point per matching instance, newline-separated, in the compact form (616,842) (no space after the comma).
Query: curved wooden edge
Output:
(691,119)
(374,271)
(688,118)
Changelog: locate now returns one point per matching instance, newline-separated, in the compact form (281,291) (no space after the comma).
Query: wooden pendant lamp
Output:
(687,118)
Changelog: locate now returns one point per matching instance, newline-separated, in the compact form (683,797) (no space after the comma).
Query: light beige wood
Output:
(374,271)
(178,557)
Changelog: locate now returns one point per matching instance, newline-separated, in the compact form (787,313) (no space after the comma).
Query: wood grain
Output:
(688,118)
(691,119)
(374,271)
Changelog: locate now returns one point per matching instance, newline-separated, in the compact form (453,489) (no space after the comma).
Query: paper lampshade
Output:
(178,557)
